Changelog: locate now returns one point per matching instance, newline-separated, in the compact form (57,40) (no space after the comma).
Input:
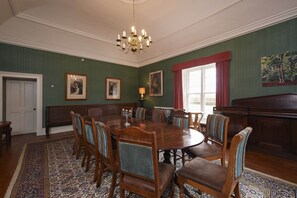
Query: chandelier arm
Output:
(134,43)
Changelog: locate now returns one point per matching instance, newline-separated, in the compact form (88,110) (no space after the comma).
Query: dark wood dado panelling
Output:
(60,115)
(270,132)
(273,119)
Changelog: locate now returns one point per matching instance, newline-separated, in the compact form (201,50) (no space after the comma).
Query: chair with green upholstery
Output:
(79,140)
(180,119)
(140,171)
(212,178)
(158,115)
(91,143)
(107,154)
(214,145)
(140,113)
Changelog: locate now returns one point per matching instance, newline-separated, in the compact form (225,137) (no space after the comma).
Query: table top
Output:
(168,136)
(4,123)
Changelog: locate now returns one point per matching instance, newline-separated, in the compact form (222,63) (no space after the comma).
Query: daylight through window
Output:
(199,89)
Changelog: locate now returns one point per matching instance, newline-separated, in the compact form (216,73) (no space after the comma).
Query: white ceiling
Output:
(88,28)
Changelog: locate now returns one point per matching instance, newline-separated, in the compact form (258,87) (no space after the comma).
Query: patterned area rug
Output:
(48,169)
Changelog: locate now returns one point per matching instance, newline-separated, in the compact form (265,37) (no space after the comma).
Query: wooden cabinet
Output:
(273,119)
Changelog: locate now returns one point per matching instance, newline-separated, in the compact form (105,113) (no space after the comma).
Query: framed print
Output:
(113,89)
(76,87)
(156,83)
(280,69)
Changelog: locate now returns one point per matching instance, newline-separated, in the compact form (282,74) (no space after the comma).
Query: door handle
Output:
(34,109)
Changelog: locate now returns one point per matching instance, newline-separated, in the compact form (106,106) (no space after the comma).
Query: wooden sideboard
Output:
(273,119)
(60,115)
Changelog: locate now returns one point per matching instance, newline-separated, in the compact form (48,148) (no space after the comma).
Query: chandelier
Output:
(134,42)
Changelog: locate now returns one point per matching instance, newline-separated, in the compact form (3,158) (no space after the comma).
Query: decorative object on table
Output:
(156,83)
(127,113)
(135,42)
(76,87)
(279,69)
(113,88)
(141,91)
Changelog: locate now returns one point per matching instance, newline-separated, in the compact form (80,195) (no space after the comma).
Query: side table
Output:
(5,129)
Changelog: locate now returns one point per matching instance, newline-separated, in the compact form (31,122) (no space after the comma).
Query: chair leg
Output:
(84,159)
(237,190)
(181,188)
(223,162)
(172,187)
(113,183)
(183,157)
(122,192)
(101,169)
(174,157)
(88,161)
(74,147)
(78,151)
(96,169)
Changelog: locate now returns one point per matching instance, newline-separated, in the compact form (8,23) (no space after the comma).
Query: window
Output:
(199,88)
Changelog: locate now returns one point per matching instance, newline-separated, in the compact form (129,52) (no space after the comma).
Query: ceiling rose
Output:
(135,2)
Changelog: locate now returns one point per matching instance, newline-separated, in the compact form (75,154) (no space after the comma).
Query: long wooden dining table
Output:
(169,137)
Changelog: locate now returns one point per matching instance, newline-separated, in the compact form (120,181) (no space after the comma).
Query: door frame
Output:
(38,78)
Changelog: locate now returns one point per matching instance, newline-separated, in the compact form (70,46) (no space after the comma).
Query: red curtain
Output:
(222,61)
(178,90)
(222,84)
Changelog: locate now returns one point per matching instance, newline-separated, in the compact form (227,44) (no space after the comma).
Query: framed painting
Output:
(113,88)
(156,83)
(76,87)
(280,69)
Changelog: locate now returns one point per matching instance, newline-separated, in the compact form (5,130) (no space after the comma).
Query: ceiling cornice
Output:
(270,21)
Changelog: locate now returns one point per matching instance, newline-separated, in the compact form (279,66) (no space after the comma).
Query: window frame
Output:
(185,85)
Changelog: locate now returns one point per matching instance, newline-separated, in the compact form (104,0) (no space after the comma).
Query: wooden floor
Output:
(283,168)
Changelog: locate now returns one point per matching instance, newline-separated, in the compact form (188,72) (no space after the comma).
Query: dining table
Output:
(169,137)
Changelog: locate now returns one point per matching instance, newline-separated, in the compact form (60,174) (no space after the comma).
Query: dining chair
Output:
(195,119)
(180,119)
(95,112)
(214,145)
(158,115)
(78,136)
(107,154)
(212,178)
(91,143)
(140,113)
(140,171)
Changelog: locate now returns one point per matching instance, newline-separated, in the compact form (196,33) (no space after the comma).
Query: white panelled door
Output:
(21,106)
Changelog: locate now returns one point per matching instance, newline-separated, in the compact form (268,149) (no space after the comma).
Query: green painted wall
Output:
(245,72)
(245,69)
(53,67)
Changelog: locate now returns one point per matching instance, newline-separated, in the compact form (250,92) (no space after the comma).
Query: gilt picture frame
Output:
(75,86)
(113,89)
(156,83)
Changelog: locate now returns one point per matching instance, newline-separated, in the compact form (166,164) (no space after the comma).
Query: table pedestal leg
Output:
(167,156)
